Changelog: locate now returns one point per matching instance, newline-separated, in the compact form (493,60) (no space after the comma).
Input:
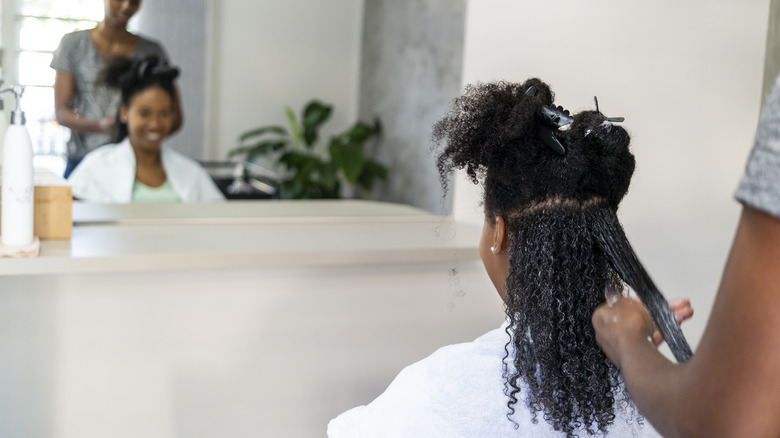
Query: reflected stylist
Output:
(83,104)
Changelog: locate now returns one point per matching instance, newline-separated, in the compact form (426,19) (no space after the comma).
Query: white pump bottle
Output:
(16,201)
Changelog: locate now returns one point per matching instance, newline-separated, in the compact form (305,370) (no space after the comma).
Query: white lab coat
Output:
(107,174)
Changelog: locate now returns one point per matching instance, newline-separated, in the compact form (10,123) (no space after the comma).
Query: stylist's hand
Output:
(106,125)
(624,321)
(608,322)
(682,310)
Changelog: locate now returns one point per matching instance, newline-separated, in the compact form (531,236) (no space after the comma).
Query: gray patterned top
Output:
(78,56)
(760,185)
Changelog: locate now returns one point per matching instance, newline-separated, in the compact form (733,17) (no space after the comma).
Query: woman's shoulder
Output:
(72,46)
(191,181)
(440,395)
(75,38)
(107,155)
(101,172)
(457,391)
(149,46)
(172,156)
(758,186)
(485,351)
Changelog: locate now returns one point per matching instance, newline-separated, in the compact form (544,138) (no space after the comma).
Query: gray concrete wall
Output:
(412,60)
(772,62)
(181,27)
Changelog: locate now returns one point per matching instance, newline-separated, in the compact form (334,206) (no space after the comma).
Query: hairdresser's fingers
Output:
(625,320)
(682,311)
(658,338)
(680,306)
(106,125)
(612,293)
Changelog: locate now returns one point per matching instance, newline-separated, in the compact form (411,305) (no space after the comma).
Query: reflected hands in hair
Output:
(106,125)
(622,320)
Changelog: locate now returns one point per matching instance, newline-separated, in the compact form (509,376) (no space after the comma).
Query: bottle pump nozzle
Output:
(17,115)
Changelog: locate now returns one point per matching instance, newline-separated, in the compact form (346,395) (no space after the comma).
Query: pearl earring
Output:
(493,249)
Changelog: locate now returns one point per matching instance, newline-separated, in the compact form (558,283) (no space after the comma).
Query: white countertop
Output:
(245,234)
(244,211)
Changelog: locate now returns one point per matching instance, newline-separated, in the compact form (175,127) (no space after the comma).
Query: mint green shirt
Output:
(144,193)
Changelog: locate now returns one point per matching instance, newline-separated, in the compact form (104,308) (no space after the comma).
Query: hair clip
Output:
(609,119)
(142,66)
(553,117)
(163,69)
(556,115)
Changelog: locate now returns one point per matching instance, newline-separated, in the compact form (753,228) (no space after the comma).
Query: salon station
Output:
(266,316)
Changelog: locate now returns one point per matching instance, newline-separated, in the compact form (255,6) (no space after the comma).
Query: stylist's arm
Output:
(731,386)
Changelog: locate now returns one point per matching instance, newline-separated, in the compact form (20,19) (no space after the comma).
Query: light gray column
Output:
(412,59)
(181,27)
(772,60)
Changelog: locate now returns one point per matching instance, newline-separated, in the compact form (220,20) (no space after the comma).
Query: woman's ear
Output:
(123,114)
(500,240)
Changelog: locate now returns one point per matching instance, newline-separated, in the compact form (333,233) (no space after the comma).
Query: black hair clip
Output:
(609,119)
(553,117)
(165,70)
(142,66)
(156,67)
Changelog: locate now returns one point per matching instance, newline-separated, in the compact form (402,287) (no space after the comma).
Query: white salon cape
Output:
(107,174)
(458,391)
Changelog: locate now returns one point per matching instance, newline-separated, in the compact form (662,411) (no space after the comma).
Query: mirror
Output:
(265,56)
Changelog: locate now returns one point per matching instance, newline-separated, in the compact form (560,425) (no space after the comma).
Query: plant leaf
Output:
(291,189)
(293,122)
(349,157)
(260,148)
(260,131)
(314,114)
(267,146)
(327,173)
(360,132)
(300,162)
(240,151)
(371,172)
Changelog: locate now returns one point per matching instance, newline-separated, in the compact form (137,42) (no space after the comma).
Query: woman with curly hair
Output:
(85,105)
(552,246)
(136,166)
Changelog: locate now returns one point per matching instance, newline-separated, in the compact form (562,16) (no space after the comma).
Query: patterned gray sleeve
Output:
(760,184)
(63,56)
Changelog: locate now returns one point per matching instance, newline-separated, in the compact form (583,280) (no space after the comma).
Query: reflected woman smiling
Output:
(136,166)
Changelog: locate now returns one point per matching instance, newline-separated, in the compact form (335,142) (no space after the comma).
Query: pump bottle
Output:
(16,200)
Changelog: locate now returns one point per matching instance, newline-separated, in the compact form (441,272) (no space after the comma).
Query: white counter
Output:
(256,318)
(138,237)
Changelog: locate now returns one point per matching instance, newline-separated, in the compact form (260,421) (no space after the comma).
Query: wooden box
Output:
(53,206)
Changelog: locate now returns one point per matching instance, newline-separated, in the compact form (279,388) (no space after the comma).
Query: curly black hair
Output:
(566,245)
(132,76)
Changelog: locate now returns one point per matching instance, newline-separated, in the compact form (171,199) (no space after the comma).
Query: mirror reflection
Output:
(228,88)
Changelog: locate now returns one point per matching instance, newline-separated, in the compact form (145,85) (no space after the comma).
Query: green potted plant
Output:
(310,169)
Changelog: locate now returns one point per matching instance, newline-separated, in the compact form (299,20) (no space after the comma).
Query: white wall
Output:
(269,54)
(687,78)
